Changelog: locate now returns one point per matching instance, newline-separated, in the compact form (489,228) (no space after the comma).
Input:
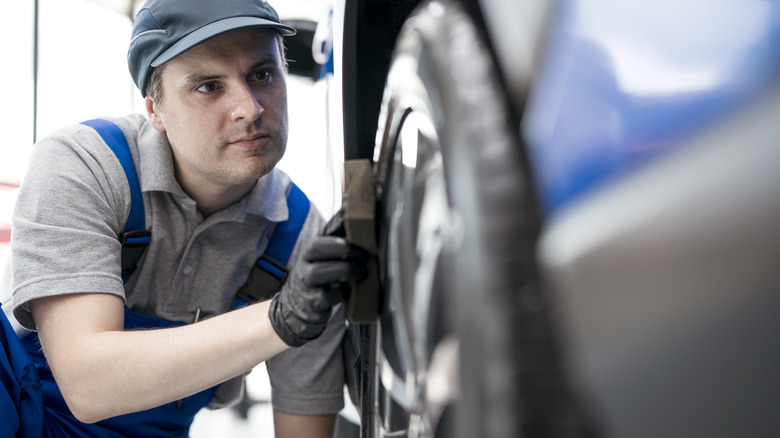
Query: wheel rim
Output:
(420,376)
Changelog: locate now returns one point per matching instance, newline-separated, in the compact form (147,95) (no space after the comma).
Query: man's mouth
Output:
(252,141)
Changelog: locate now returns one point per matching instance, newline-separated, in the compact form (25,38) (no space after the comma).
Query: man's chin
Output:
(250,176)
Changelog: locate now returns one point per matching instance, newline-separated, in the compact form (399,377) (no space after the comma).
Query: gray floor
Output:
(227,422)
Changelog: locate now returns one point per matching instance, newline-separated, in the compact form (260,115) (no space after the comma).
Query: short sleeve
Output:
(70,209)
(309,380)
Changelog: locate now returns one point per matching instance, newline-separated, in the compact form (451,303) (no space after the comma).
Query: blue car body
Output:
(622,83)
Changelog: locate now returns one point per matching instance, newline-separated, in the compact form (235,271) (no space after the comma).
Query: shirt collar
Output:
(156,167)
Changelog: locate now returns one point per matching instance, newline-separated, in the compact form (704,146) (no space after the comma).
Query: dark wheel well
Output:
(371,28)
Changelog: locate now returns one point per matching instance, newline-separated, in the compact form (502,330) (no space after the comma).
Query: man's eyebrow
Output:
(199,78)
(270,59)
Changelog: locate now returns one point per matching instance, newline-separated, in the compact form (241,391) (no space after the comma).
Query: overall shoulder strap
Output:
(282,241)
(270,270)
(134,238)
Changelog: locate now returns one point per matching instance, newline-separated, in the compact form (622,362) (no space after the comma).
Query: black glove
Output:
(301,309)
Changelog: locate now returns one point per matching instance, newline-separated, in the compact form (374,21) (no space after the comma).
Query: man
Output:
(213,77)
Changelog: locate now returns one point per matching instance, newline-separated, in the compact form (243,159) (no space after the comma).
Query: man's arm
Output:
(309,426)
(104,371)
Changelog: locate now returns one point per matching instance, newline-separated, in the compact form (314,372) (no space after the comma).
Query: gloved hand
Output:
(300,311)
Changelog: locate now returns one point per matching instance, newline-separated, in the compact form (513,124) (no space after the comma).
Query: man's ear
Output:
(154,115)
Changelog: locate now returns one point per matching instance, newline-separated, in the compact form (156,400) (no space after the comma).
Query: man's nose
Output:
(245,104)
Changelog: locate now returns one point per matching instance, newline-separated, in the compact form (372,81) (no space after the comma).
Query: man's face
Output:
(224,110)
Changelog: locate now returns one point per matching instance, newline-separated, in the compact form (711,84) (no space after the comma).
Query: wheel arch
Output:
(370,30)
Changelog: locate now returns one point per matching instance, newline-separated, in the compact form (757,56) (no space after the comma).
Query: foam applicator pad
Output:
(362,304)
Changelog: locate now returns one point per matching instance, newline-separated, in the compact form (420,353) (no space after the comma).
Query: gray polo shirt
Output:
(72,205)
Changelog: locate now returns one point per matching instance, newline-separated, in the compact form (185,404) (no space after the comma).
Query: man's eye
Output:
(208,87)
(261,75)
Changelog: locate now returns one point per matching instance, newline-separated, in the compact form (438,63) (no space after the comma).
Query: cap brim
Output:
(217,28)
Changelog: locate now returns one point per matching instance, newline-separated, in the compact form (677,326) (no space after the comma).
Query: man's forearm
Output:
(104,371)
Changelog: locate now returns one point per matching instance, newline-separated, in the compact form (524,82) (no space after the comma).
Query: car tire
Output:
(458,231)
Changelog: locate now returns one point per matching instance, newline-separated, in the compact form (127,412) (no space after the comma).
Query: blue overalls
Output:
(31,405)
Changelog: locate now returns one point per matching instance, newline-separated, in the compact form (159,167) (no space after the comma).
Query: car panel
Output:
(621,84)
(666,286)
